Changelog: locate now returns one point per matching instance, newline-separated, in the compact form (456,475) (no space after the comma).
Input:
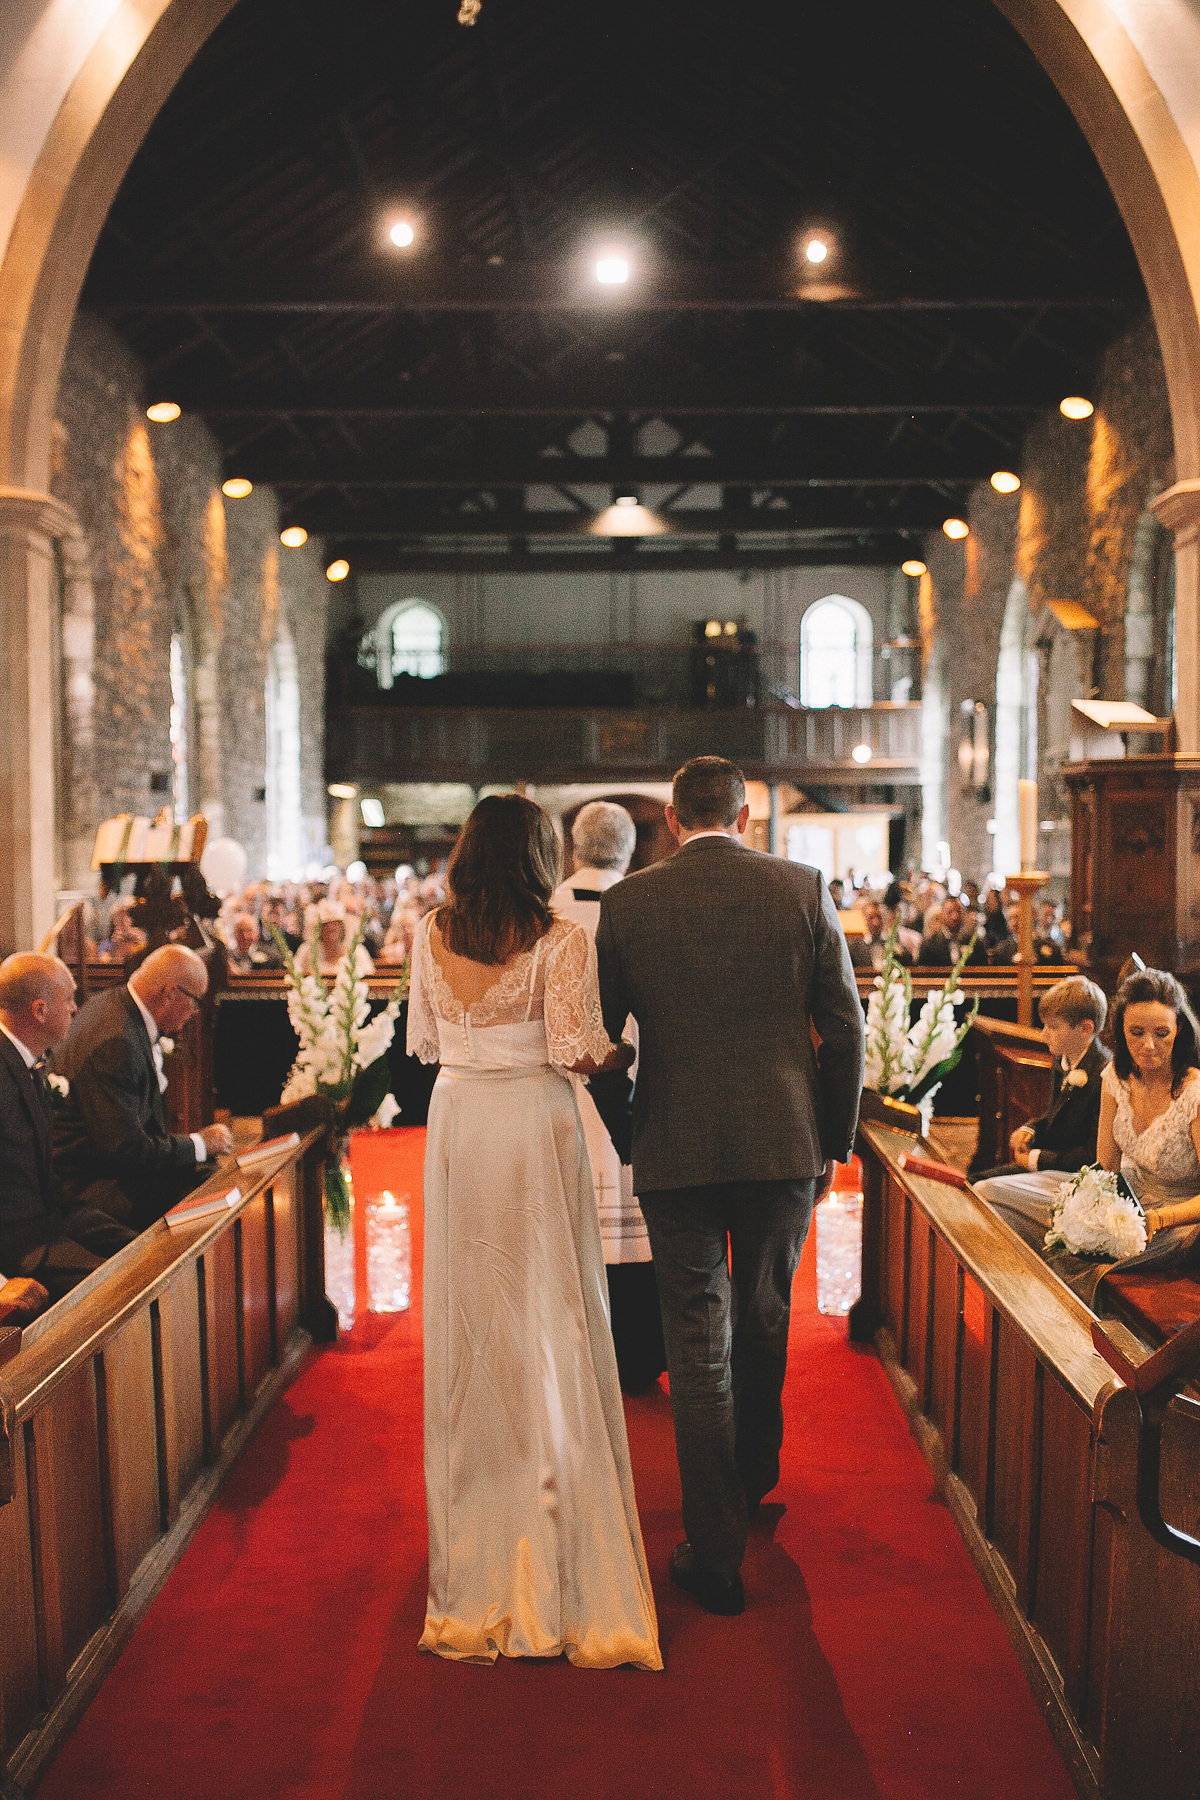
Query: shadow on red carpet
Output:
(280,1659)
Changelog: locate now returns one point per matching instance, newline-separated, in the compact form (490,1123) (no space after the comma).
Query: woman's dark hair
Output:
(1156,985)
(502,873)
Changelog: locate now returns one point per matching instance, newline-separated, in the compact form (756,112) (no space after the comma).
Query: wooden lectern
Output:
(1135,862)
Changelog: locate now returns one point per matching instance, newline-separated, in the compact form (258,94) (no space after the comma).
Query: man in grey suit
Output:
(727,959)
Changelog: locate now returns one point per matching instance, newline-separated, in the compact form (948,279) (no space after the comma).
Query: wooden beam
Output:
(853,550)
(838,469)
(838,509)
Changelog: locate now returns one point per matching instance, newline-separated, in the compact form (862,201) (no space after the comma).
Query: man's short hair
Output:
(604,836)
(28,976)
(708,793)
(1074,1000)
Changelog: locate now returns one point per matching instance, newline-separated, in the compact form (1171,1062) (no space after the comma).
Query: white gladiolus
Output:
(1090,1218)
(900,1056)
(338,1037)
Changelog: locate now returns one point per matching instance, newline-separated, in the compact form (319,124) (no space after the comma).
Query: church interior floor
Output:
(280,1659)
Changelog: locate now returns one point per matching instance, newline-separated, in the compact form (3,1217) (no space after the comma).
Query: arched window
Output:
(285,824)
(181,724)
(835,653)
(409,639)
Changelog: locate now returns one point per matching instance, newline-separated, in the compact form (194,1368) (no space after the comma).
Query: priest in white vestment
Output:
(604,837)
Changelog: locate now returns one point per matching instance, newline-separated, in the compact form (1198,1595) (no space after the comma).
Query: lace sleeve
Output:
(1189,1100)
(422,1021)
(574,1025)
(1110,1083)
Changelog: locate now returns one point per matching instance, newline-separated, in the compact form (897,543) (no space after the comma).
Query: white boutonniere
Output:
(1076,1079)
(167,1046)
(58,1086)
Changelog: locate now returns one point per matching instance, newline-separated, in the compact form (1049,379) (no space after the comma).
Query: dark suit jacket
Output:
(29,1201)
(1065,1135)
(726,958)
(112,1148)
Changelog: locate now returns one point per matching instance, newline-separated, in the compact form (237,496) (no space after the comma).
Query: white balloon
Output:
(223,866)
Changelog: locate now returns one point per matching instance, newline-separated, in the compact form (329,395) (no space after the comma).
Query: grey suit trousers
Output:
(726,1333)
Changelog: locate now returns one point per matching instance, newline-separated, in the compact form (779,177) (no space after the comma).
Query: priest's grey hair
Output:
(604,836)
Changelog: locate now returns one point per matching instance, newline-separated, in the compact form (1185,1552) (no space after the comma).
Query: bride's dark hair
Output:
(1156,985)
(502,873)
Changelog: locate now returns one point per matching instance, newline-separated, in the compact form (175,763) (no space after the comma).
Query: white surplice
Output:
(534,1543)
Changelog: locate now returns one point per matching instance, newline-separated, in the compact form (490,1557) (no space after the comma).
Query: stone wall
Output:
(161,550)
(1078,530)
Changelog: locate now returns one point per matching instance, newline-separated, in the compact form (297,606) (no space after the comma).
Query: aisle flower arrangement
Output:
(1092,1217)
(342,1056)
(909,1061)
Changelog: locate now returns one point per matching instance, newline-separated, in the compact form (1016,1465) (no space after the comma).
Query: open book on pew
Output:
(202,1206)
(268,1149)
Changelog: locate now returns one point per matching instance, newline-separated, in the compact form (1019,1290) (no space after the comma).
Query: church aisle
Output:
(280,1659)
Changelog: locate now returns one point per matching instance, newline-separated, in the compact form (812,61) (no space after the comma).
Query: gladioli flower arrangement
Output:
(342,1054)
(907,1060)
(1091,1217)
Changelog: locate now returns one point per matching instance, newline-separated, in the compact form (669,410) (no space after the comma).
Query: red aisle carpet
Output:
(280,1659)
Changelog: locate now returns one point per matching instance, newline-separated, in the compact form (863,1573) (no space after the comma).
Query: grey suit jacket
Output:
(725,958)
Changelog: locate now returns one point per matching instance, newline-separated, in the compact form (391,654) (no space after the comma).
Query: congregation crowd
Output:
(935,925)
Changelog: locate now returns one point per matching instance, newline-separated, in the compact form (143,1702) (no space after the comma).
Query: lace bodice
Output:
(1160,1163)
(554,984)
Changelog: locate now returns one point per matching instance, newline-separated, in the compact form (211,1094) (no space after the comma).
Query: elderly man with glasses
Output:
(112,1148)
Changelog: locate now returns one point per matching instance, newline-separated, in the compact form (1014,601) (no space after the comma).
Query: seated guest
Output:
(1063,1140)
(112,1149)
(946,944)
(330,919)
(124,936)
(837,891)
(908,941)
(998,940)
(42,1236)
(1150,1111)
(247,951)
(867,951)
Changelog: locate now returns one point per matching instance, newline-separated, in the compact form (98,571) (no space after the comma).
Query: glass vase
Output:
(339,1253)
(839,1253)
(389,1253)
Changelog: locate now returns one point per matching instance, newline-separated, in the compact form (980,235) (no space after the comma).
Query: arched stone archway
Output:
(80,85)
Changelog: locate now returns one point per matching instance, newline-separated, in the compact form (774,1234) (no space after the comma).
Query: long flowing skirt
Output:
(534,1543)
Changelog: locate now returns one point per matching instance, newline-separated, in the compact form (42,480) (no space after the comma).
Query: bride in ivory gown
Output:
(534,1543)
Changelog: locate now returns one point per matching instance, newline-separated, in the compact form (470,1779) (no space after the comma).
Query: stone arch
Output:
(79,93)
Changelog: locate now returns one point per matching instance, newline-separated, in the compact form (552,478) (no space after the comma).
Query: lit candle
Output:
(1027,809)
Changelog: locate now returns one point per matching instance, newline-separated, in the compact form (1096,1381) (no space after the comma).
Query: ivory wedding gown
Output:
(534,1543)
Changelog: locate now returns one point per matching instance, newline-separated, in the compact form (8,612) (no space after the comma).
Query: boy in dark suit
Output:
(44,1239)
(1063,1140)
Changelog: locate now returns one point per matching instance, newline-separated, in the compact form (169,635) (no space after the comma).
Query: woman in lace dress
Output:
(1150,1112)
(534,1543)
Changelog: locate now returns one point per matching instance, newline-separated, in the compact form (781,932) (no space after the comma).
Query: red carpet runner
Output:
(280,1659)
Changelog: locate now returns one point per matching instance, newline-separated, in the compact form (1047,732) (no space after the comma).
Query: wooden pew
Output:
(120,1416)
(1014,1070)
(1034,1443)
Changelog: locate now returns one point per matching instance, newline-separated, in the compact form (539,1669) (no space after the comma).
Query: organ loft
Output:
(406,408)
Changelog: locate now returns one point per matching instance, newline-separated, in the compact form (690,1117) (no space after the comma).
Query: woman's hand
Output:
(620,1056)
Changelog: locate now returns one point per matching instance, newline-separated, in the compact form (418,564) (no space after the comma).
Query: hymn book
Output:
(269,1147)
(202,1206)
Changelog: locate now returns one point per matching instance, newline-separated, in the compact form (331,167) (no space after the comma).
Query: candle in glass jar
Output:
(1027,809)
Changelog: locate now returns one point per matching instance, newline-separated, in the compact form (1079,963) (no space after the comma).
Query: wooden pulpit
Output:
(1135,862)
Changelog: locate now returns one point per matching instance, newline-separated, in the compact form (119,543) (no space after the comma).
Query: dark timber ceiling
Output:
(476,399)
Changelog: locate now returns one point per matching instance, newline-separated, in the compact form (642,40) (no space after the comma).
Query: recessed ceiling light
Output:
(816,250)
(337,570)
(237,487)
(402,234)
(1076,407)
(627,500)
(342,790)
(163,411)
(612,271)
(861,753)
(1005,482)
(956,528)
(731,628)
(914,566)
(713,628)
(293,537)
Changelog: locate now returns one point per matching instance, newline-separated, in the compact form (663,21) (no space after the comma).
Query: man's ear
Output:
(672,818)
(742,820)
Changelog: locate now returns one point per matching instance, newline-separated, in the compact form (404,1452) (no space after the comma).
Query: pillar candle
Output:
(1027,808)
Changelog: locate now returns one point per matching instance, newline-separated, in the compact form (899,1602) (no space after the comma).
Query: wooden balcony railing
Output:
(485,744)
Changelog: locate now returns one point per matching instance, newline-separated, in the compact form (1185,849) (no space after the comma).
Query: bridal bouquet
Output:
(910,1061)
(1091,1217)
(342,1055)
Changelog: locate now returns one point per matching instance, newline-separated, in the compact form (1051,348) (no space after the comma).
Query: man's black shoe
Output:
(716,1593)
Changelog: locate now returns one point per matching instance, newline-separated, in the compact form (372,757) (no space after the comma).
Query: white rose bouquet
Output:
(910,1061)
(342,1054)
(1091,1217)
